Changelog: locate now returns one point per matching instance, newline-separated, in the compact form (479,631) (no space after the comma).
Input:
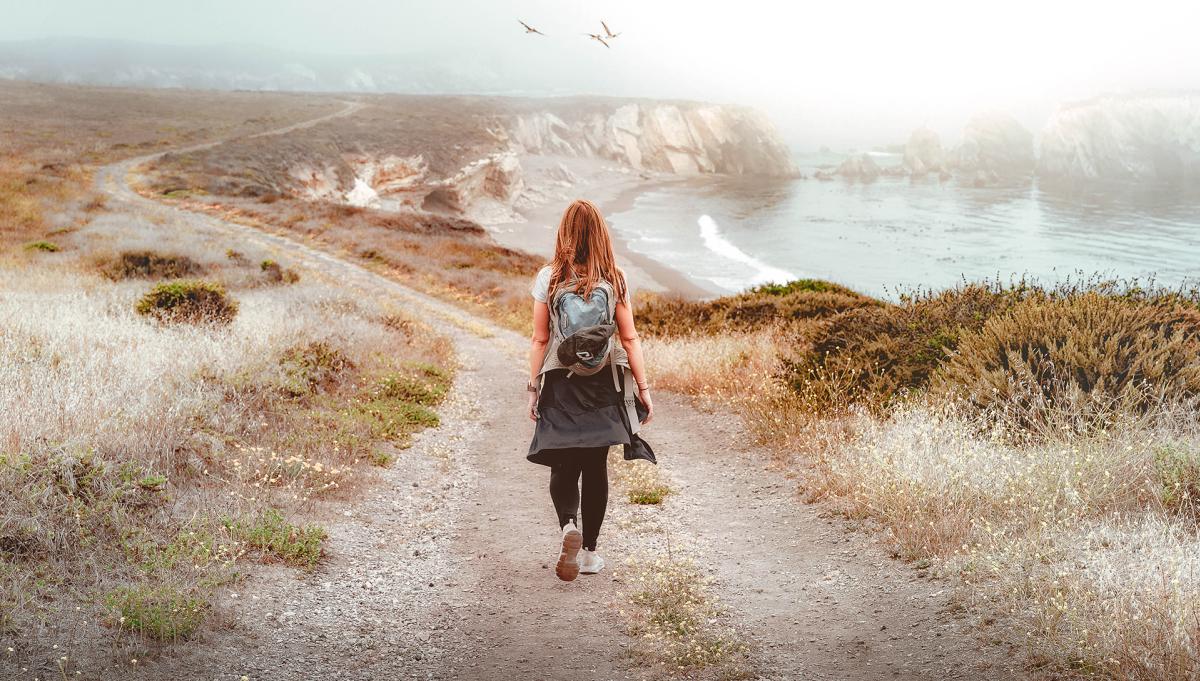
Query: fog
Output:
(837,73)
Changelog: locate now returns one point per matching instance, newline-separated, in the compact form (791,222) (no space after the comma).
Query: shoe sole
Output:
(567,568)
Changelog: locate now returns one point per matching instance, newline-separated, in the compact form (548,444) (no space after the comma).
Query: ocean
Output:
(895,234)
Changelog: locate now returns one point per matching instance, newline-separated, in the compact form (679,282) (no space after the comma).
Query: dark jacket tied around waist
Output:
(593,408)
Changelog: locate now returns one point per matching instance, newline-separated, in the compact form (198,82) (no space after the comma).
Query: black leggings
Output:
(570,464)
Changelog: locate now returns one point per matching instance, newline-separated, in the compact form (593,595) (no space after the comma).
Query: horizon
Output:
(823,75)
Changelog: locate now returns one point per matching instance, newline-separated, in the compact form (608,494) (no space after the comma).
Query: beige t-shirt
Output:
(540,289)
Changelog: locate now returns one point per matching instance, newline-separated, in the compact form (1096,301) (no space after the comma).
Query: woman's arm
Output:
(537,350)
(633,348)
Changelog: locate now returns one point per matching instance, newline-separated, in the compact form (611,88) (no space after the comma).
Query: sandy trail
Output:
(442,567)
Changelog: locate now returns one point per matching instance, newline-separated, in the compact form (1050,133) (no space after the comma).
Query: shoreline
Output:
(615,191)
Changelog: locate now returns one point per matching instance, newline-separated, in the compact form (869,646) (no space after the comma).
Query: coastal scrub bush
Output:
(43,246)
(296,545)
(802,299)
(872,353)
(147,265)
(1090,356)
(276,274)
(1178,472)
(159,612)
(313,367)
(188,301)
(418,382)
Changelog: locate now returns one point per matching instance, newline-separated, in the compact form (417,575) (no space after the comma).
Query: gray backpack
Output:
(583,332)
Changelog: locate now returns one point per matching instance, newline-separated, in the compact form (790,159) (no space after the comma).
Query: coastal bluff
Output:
(1151,136)
(519,150)
(677,138)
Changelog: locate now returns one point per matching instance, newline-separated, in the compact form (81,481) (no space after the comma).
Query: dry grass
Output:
(1078,542)
(143,464)
(1054,469)
(1092,356)
(678,624)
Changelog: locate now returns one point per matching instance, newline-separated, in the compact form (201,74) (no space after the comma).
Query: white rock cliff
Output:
(682,139)
(1140,137)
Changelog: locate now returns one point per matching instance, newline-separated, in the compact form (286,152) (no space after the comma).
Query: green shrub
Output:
(872,353)
(296,545)
(392,419)
(398,405)
(159,612)
(313,367)
(648,496)
(420,383)
(803,299)
(148,265)
(188,301)
(1178,474)
(44,246)
(276,274)
(1091,356)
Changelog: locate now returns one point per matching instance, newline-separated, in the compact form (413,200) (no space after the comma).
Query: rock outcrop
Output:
(675,138)
(924,154)
(681,139)
(995,148)
(1152,137)
(859,167)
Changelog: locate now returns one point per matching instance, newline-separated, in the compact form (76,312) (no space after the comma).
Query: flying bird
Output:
(608,32)
(597,37)
(529,29)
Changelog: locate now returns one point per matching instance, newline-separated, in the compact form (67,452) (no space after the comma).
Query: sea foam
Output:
(762,273)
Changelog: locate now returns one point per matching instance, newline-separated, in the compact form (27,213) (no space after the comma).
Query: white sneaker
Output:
(590,563)
(567,568)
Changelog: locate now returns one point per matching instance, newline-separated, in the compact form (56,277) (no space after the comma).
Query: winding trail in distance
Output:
(441,566)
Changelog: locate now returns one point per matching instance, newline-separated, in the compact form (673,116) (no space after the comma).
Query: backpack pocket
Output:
(588,347)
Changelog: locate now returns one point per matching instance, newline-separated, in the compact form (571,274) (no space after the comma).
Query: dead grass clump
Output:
(767,305)
(642,482)
(188,301)
(1098,357)
(20,207)
(147,265)
(1177,470)
(313,367)
(277,274)
(677,622)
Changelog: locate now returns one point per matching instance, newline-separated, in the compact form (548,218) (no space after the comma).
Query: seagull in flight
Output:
(608,32)
(529,29)
(597,37)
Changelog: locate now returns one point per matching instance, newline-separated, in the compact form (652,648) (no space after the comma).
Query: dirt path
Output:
(442,568)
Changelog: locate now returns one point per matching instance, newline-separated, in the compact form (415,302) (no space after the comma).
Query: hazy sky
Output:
(837,70)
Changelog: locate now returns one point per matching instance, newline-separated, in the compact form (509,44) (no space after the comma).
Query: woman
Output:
(580,379)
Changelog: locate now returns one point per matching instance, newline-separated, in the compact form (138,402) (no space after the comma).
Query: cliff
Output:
(676,138)
(1142,137)
(994,148)
(486,179)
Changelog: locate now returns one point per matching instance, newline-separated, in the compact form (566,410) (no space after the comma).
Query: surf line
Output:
(710,232)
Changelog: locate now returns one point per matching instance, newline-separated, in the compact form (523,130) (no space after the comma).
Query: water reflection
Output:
(896,232)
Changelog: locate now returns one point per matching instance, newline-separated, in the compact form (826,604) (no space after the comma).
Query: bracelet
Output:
(530,387)
(643,386)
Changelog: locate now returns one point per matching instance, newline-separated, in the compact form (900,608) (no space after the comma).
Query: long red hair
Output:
(584,250)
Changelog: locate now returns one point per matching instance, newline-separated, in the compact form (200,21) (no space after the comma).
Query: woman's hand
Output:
(644,396)
(533,400)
